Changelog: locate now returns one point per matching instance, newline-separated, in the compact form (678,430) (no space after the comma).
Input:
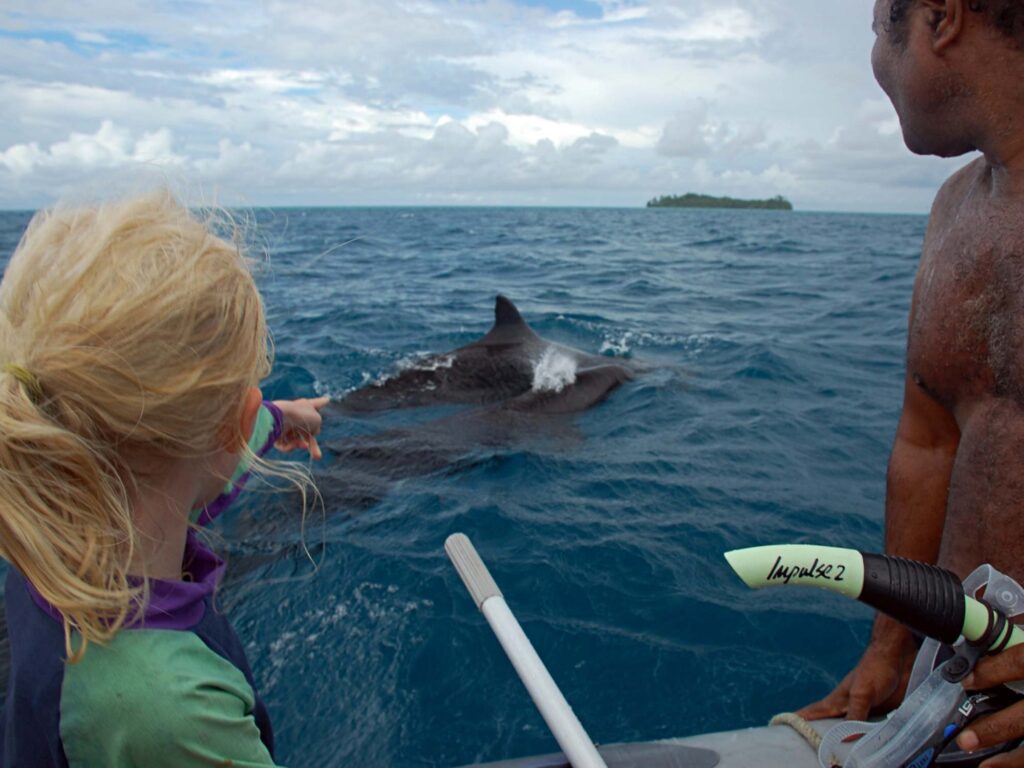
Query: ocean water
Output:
(772,345)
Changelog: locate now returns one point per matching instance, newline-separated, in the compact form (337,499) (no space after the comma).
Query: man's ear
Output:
(947,22)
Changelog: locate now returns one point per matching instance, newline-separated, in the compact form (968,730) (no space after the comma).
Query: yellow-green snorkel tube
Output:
(926,598)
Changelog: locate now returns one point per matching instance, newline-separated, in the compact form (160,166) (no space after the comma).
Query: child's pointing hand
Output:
(302,422)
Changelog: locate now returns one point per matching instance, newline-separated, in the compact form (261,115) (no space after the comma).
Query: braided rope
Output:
(799,725)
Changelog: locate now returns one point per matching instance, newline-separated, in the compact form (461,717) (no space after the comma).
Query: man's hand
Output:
(876,685)
(302,423)
(1003,726)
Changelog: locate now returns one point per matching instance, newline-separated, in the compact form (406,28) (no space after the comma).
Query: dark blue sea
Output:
(773,348)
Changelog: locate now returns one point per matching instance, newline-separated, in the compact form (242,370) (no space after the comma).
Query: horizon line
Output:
(542,206)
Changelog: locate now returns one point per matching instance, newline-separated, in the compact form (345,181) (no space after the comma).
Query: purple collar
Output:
(172,604)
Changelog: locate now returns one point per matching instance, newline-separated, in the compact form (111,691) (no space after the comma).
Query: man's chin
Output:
(931,146)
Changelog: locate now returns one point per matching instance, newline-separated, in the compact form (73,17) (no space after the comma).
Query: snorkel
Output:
(929,600)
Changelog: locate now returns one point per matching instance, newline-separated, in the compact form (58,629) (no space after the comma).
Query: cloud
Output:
(695,132)
(720,25)
(109,147)
(454,160)
(93,38)
(231,160)
(489,101)
(685,134)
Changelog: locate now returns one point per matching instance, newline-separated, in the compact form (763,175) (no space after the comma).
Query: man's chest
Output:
(966,336)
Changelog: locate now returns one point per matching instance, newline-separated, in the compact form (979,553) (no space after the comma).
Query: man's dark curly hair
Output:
(1005,15)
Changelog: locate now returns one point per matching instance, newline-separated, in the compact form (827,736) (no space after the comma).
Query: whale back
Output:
(498,367)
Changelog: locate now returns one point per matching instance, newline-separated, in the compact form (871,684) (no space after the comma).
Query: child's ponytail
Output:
(64,516)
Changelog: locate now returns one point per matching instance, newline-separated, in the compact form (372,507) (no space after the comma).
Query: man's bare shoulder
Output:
(956,187)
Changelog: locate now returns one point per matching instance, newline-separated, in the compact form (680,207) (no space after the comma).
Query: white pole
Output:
(555,710)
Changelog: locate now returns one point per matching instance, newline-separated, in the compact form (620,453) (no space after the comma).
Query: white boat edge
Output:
(776,746)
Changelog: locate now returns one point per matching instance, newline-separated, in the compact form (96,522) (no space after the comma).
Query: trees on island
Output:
(692,200)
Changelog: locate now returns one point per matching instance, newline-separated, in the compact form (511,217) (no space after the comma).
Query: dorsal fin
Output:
(509,326)
(505,313)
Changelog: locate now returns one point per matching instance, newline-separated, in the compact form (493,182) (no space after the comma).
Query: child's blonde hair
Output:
(127,329)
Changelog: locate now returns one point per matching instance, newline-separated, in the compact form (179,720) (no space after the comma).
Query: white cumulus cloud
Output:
(110,146)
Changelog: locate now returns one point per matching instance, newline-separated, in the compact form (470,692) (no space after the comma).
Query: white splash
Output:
(619,347)
(554,371)
(424,362)
(437,364)
(417,362)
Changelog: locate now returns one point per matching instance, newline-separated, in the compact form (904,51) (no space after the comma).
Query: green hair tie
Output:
(27,378)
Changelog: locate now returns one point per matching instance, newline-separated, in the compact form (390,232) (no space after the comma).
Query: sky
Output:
(453,102)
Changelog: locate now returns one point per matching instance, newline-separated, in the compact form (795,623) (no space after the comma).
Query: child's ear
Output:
(253,401)
(230,435)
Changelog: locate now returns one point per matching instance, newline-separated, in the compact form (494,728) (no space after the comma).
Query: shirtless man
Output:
(954,70)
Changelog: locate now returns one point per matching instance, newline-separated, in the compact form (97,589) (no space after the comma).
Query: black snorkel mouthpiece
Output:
(926,598)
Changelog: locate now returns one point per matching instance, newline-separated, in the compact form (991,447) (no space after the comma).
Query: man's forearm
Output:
(917,488)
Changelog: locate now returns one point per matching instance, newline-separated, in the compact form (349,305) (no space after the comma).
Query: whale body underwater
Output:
(511,368)
(518,387)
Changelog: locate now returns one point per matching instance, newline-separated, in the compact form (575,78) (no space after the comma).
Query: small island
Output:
(691,200)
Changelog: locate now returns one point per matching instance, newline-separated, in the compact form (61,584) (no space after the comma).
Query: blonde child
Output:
(132,341)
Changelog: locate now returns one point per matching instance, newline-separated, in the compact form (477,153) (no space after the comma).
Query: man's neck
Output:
(1006,169)
(1001,138)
